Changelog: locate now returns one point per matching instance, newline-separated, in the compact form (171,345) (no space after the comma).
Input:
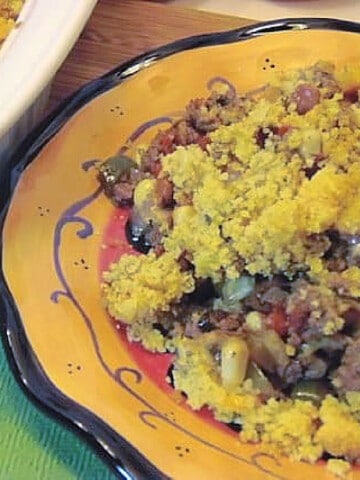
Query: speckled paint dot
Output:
(181,451)
(72,368)
(81,263)
(43,210)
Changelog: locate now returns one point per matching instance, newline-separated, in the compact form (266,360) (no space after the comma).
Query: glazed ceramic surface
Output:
(60,232)
(29,58)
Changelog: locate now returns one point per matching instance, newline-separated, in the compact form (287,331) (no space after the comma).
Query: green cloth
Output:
(35,447)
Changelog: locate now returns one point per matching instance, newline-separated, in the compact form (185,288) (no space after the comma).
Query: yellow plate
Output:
(59,231)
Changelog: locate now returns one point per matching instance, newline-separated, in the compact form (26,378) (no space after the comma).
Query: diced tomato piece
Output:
(319,157)
(298,318)
(159,250)
(282,130)
(203,141)
(277,321)
(166,143)
(262,133)
(351,94)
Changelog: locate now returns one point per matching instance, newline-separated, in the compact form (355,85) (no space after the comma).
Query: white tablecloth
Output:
(270,9)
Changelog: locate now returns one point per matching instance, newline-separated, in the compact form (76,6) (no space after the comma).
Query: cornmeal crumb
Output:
(339,468)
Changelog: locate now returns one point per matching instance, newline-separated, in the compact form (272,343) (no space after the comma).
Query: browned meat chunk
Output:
(291,373)
(165,142)
(309,311)
(267,293)
(184,261)
(344,251)
(351,95)
(199,323)
(315,367)
(347,376)
(229,322)
(205,115)
(165,192)
(324,79)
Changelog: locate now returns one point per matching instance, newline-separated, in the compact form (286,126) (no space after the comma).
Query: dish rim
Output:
(18,55)
(125,460)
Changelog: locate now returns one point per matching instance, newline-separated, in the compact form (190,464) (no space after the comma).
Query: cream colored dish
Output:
(44,34)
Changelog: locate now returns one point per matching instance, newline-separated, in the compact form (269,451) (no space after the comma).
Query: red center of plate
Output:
(154,366)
